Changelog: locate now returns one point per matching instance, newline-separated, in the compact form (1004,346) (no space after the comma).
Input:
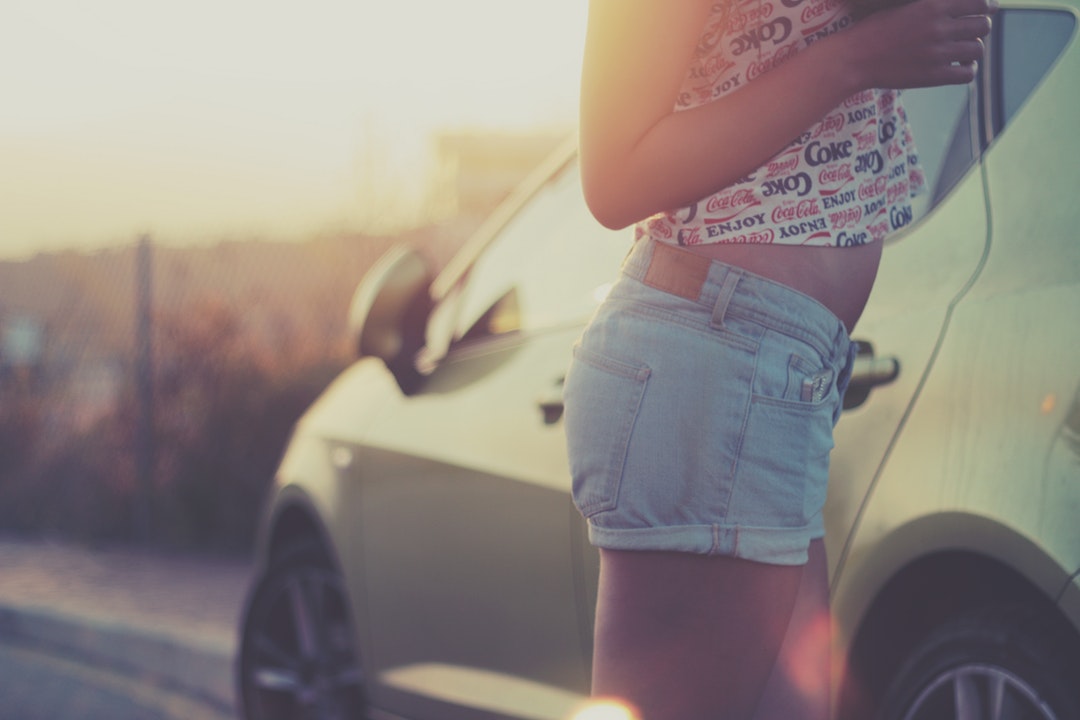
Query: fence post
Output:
(144,390)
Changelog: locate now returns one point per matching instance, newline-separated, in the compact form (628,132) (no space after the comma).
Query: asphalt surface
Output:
(37,685)
(116,633)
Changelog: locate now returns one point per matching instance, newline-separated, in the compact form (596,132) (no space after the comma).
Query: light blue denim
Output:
(705,425)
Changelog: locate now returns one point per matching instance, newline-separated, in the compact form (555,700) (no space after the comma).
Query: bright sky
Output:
(204,119)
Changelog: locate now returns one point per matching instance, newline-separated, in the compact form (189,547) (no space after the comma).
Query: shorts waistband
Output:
(732,291)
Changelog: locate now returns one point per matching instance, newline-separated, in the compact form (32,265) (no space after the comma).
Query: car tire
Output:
(297,657)
(997,664)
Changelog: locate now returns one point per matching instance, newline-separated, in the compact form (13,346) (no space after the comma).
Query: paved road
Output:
(131,619)
(38,686)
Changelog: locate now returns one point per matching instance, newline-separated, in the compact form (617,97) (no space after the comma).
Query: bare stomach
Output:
(838,278)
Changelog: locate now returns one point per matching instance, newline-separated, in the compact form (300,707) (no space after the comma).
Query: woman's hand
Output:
(923,44)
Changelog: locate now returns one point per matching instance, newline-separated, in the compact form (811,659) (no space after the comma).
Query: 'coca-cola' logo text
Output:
(783,165)
(737,200)
(757,69)
(796,211)
(818,11)
(839,174)
(848,217)
(830,124)
(872,189)
(899,191)
(739,20)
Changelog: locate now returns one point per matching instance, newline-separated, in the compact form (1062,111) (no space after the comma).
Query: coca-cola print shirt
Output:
(846,181)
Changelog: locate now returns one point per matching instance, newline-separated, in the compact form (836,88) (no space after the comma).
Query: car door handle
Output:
(551,404)
(867,372)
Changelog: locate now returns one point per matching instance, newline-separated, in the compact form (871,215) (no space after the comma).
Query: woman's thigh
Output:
(681,636)
(799,686)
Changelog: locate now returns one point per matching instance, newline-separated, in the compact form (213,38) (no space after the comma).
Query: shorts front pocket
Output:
(784,458)
(602,397)
(784,462)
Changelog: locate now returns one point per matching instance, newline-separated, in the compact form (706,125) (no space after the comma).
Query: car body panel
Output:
(469,553)
(1034,273)
(921,273)
(456,562)
(1070,599)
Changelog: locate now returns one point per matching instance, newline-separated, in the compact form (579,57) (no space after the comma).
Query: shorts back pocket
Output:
(602,397)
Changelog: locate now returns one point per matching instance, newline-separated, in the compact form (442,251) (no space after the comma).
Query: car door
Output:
(926,267)
(471,543)
(952,319)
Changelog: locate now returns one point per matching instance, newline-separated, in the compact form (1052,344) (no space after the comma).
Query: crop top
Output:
(846,181)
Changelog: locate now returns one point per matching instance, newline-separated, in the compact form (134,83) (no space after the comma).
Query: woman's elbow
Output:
(610,218)
(608,205)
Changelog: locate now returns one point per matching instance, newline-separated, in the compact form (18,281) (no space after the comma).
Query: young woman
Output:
(754,146)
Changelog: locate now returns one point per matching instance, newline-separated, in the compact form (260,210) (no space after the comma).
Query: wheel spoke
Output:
(999,663)
(317,595)
(277,679)
(303,619)
(979,692)
(966,696)
(298,657)
(997,697)
(267,647)
(348,676)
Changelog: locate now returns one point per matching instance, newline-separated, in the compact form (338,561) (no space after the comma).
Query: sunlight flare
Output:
(606,709)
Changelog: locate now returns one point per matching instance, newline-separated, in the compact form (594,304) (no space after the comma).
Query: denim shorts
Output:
(699,410)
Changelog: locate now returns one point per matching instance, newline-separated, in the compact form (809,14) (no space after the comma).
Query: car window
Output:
(941,123)
(1026,44)
(944,119)
(549,267)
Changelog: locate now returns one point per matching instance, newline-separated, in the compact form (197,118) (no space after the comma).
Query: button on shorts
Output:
(699,410)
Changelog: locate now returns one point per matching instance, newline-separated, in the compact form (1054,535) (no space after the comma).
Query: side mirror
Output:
(389,312)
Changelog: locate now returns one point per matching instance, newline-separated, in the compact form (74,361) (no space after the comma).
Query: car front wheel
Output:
(297,660)
(1001,664)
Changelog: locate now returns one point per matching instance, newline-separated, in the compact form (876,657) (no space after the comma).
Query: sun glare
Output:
(204,119)
(606,709)
(802,662)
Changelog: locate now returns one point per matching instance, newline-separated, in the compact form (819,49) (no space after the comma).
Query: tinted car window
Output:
(546,268)
(941,122)
(1027,44)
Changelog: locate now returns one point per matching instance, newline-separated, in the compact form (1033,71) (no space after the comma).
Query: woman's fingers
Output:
(952,19)
(960,74)
(933,42)
(968,27)
(962,8)
(966,52)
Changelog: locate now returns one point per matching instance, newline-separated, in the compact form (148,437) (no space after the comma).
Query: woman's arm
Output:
(639,156)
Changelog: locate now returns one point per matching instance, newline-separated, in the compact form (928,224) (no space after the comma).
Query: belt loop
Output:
(727,289)
(631,257)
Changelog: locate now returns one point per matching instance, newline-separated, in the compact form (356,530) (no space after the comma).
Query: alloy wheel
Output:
(979,692)
(297,656)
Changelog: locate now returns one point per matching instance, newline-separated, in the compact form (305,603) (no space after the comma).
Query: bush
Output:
(224,405)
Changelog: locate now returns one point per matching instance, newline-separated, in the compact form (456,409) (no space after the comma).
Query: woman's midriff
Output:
(838,278)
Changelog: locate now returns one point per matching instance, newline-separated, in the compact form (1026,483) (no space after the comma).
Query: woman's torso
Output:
(840,280)
(821,232)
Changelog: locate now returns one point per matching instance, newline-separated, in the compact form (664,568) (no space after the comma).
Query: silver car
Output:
(420,556)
